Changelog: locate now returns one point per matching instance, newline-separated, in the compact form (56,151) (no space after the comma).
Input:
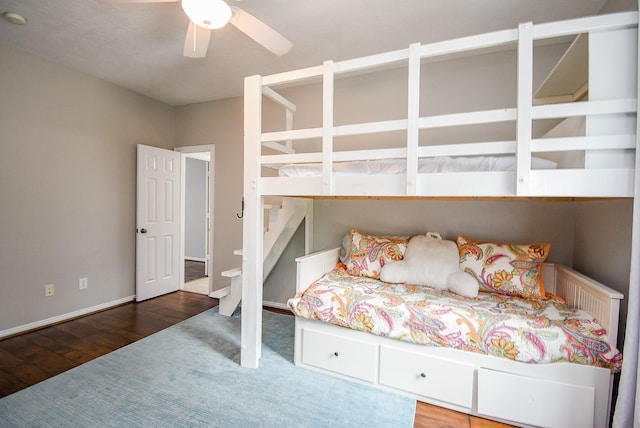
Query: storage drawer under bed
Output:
(349,357)
(534,401)
(430,377)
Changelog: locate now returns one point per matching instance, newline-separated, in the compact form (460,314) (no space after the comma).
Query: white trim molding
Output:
(64,317)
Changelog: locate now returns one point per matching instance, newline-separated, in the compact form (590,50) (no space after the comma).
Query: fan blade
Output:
(197,41)
(260,32)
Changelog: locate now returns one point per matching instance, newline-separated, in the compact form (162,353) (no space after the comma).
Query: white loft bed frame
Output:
(610,140)
(606,101)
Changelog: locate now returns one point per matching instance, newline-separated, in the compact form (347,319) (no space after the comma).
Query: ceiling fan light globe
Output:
(210,14)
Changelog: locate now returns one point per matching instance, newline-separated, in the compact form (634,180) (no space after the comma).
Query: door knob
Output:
(143,230)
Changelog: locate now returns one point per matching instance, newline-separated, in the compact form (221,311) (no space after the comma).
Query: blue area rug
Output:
(189,376)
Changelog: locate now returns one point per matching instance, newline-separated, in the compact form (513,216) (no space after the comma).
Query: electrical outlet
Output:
(83,283)
(48,290)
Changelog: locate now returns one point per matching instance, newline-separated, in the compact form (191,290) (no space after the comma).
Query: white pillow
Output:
(431,260)
(463,284)
(395,272)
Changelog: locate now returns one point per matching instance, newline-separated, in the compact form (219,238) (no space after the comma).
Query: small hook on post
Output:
(242,212)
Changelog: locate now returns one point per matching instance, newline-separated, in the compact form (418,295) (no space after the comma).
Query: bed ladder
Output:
(281,222)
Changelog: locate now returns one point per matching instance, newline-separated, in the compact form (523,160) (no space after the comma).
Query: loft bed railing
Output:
(591,182)
(609,142)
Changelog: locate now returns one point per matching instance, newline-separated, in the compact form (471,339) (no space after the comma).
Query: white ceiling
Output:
(139,46)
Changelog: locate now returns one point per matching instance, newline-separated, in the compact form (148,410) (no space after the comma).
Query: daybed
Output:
(588,132)
(524,361)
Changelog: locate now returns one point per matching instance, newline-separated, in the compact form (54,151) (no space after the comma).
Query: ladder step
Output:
(231,273)
(219,294)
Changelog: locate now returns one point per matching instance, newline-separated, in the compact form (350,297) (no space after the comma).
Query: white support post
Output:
(635,231)
(327,127)
(628,381)
(308,228)
(413,118)
(289,126)
(612,77)
(524,104)
(252,230)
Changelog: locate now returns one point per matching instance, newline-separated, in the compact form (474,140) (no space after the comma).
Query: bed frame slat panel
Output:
(600,301)
(616,182)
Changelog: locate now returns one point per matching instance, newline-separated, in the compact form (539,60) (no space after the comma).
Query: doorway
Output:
(196,249)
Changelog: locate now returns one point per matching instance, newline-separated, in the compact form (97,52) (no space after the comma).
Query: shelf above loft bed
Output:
(568,81)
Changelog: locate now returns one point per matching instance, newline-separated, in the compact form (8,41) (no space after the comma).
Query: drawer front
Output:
(431,377)
(534,401)
(345,356)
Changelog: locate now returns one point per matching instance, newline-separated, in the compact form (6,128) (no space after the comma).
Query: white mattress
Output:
(428,165)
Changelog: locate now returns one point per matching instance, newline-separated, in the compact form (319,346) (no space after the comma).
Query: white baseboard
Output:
(64,317)
(86,311)
(276,305)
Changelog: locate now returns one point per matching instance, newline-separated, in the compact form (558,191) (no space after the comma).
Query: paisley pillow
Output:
(369,253)
(513,269)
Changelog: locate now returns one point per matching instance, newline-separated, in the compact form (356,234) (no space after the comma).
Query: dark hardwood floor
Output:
(193,270)
(32,357)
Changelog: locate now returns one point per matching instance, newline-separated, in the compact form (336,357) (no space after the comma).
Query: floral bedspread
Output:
(526,330)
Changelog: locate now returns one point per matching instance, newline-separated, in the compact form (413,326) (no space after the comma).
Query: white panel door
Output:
(157,222)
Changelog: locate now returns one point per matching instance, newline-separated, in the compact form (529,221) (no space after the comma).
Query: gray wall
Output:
(219,123)
(502,221)
(498,221)
(67,180)
(619,5)
(280,285)
(602,247)
(451,86)
(67,176)
(195,200)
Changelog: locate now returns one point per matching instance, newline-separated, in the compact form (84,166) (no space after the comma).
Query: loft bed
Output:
(572,137)
(592,141)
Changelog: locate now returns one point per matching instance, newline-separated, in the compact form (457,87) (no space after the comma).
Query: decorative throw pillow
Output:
(431,261)
(369,253)
(505,268)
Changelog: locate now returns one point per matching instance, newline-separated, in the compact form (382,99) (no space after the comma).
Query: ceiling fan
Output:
(206,15)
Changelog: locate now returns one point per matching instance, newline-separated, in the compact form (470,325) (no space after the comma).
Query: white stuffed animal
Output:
(429,260)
